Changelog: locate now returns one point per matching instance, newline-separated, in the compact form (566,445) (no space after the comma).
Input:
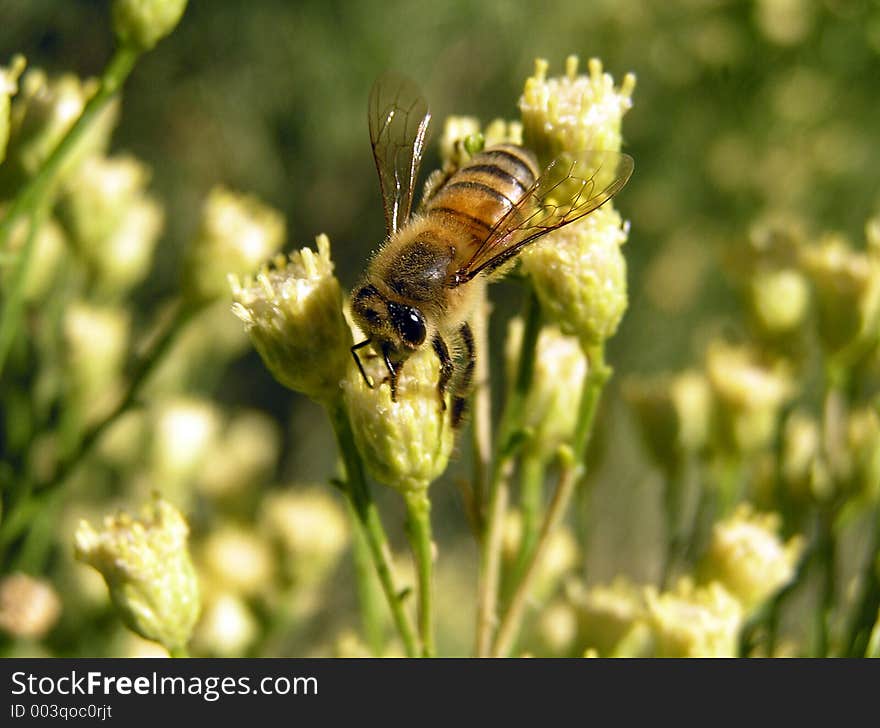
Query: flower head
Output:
(8,88)
(847,284)
(573,112)
(694,621)
(148,571)
(673,413)
(405,443)
(747,556)
(606,612)
(112,221)
(238,233)
(749,393)
(560,370)
(293,313)
(309,527)
(579,274)
(41,115)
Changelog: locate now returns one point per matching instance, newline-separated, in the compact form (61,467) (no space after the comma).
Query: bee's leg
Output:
(357,359)
(446,368)
(393,372)
(460,402)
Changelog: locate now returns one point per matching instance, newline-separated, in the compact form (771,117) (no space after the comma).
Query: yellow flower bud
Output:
(847,286)
(42,113)
(405,444)
(29,607)
(310,528)
(143,23)
(148,571)
(863,452)
(293,313)
(572,113)
(749,394)
(238,233)
(227,627)
(694,621)
(242,457)
(184,430)
(97,344)
(560,370)
(49,250)
(579,274)
(8,88)
(803,469)
(112,221)
(457,129)
(558,627)
(779,300)
(747,556)
(500,131)
(236,560)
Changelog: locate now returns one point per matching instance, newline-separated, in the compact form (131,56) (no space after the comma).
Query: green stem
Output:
(368,596)
(178,652)
(418,528)
(33,196)
(361,500)
(30,195)
(572,472)
(13,302)
(873,649)
(18,514)
(675,538)
(532,471)
(509,429)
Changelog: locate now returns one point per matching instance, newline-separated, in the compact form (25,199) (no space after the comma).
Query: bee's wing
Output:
(569,188)
(399,119)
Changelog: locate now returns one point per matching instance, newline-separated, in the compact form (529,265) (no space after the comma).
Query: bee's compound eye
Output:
(410,324)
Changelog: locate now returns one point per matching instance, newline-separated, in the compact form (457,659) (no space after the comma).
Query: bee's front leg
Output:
(446,368)
(393,372)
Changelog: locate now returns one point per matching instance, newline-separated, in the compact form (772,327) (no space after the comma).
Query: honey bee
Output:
(423,283)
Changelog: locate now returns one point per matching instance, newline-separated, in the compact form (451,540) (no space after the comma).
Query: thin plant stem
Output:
(572,472)
(498,495)
(369,598)
(482,418)
(358,493)
(532,471)
(418,529)
(178,652)
(865,610)
(673,495)
(118,69)
(17,516)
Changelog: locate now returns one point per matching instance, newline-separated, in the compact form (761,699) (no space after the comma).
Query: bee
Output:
(422,285)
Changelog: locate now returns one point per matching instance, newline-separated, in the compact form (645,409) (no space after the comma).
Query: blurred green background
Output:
(742,109)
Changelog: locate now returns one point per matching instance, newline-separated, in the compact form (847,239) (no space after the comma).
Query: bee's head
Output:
(398,327)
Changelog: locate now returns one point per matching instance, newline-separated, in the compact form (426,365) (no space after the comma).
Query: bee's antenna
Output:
(357,360)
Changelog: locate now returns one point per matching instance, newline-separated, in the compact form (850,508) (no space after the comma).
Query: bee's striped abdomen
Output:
(479,194)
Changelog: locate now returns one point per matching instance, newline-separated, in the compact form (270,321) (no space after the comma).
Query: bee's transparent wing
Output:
(571,186)
(399,120)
